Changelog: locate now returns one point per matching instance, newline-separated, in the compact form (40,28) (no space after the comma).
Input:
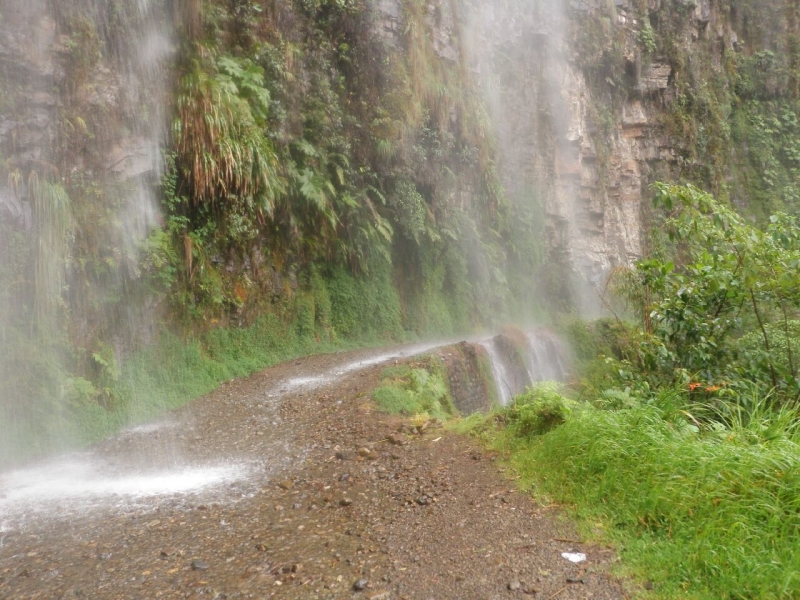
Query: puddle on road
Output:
(73,484)
(312,383)
(76,483)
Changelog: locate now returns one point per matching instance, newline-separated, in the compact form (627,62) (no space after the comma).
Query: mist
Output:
(537,101)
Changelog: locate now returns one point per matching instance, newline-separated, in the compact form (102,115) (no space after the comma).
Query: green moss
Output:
(418,389)
(364,307)
(487,377)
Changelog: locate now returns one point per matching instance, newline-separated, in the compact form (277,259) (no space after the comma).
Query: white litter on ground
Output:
(576,557)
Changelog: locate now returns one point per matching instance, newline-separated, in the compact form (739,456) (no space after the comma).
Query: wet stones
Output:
(397,439)
(518,586)
(368,454)
(199,565)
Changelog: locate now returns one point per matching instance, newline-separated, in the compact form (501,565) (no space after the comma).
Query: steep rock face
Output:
(69,105)
(579,126)
(82,118)
(588,176)
(590,104)
(539,106)
(27,122)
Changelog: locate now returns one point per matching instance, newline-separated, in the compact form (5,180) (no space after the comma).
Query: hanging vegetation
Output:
(222,152)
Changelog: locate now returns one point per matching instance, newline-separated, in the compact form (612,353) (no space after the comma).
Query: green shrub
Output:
(537,411)
(416,391)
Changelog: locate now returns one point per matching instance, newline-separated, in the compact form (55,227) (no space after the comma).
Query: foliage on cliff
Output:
(307,141)
(322,171)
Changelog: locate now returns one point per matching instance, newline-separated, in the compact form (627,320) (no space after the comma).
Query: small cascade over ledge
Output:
(520,358)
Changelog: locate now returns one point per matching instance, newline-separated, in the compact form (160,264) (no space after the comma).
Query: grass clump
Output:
(703,507)
(413,390)
(537,411)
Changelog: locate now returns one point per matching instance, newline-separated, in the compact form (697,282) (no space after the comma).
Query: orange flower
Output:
(712,388)
(694,386)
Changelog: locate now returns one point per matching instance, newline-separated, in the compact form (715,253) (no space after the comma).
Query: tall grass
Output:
(703,511)
(169,374)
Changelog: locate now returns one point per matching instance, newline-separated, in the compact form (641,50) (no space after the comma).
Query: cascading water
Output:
(500,372)
(83,120)
(545,357)
(520,359)
(520,58)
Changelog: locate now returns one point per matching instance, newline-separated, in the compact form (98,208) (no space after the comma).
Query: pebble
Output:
(514,586)
(345,502)
(382,595)
(364,452)
(360,585)
(199,565)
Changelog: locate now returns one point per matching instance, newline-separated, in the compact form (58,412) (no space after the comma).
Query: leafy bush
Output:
(537,411)
(222,155)
(734,278)
(416,391)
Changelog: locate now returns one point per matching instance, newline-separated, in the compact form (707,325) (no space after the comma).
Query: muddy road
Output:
(288,484)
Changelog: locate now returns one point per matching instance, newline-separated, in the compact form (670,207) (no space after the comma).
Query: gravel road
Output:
(288,484)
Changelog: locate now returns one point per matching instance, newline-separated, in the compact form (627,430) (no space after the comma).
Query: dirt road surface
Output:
(289,484)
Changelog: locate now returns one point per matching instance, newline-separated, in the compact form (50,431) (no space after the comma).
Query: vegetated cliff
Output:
(340,170)
(82,85)
(328,176)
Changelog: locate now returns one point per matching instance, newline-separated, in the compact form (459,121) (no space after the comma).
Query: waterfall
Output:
(537,103)
(515,366)
(84,97)
(500,372)
(546,356)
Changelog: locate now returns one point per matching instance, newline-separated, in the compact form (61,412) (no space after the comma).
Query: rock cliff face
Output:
(83,113)
(589,168)
(583,100)
(70,101)
(27,123)
(587,103)
(553,155)
(578,94)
